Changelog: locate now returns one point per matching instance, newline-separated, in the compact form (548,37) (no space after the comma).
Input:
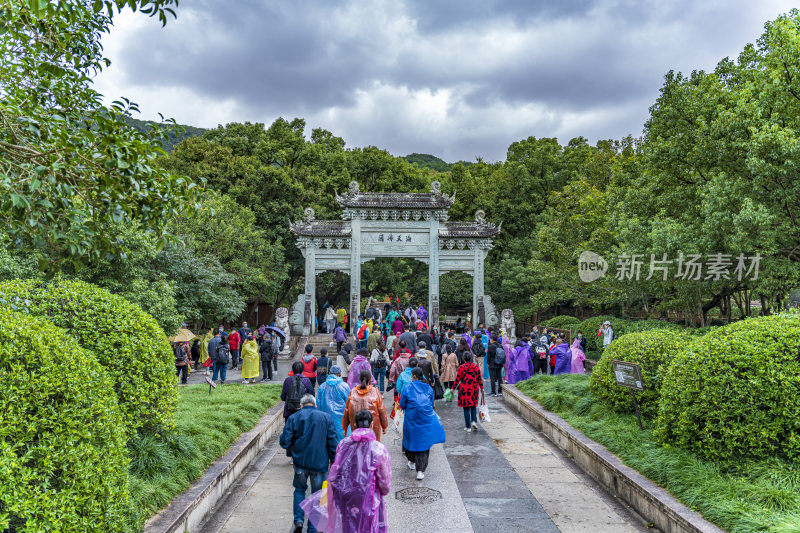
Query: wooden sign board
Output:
(628,374)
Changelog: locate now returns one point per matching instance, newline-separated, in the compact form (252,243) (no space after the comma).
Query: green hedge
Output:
(125,339)
(653,350)
(562,322)
(736,391)
(590,326)
(63,460)
(636,326)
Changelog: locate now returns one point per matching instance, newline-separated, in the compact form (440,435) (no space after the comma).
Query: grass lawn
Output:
(744,495)
(163,466)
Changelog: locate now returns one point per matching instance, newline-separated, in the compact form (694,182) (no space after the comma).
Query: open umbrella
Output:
(183,335)
(277,331)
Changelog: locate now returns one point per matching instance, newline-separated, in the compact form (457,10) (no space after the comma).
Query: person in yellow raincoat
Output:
(204,347)
(249,360)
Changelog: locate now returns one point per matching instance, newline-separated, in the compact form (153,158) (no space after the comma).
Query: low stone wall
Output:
(648,499)
(187,511)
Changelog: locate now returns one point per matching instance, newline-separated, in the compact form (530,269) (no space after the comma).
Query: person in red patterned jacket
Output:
(469,383)
(235,342)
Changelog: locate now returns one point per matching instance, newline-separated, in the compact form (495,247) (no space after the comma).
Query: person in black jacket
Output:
(310,438)
(266,352)
(497,359)
(196,352)
(427,338)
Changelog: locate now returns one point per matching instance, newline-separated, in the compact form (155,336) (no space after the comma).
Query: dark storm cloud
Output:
(359,68)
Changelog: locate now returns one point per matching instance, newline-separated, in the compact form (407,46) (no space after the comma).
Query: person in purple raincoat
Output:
(578,357)
(359,479)
(521,367)
(360,362)
(563,355)
(422,314)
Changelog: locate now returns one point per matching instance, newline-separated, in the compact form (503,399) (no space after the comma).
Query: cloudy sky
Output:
(453,78)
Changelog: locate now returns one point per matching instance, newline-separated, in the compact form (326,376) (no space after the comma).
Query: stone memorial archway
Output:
(378,224)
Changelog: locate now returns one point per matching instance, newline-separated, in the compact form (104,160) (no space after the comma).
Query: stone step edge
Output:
(648,499)
(187,510)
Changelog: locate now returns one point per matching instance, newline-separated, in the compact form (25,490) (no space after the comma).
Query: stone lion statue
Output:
(297,314)
(508,324)
(492,317)
(282,322)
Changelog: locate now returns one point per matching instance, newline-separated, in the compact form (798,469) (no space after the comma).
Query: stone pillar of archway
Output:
(433,274)
(477,286)
(310,289)
(355,270)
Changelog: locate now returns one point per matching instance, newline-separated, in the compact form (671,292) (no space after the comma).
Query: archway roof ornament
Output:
(355,199)
(385,205)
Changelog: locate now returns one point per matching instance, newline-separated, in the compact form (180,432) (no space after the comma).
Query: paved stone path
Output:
(504,478)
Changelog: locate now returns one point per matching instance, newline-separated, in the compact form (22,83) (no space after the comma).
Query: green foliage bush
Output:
(590,326)
(653,350)
(562,322)
(636,326)
(63,461)
(126,341)
(736,391)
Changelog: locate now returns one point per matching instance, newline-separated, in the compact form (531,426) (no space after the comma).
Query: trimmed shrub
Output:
(126,341)
(590,326)
(63,459)
(636,326)
(653,350)
(562,322)
(736,391)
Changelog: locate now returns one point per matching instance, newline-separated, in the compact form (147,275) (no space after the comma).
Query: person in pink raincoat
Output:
(578,357)
(360,362)
(506,342)
(358,480)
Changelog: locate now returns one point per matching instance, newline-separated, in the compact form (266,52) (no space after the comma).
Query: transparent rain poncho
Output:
(359,478)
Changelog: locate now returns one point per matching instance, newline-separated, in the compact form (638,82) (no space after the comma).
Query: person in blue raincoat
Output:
(332,397)
(421,426)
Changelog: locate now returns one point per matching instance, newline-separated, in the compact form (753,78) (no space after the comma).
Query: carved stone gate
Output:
(393,225)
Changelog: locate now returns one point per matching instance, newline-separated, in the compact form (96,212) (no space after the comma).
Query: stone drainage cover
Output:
(418,495)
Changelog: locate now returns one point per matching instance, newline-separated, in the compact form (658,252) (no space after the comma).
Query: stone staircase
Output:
(320,341)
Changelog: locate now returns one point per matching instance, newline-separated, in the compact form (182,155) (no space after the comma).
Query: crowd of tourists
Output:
(334,408)
(218,350)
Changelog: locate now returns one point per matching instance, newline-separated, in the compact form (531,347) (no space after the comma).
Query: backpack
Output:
(499,355)
(478,349)
(296,391)
(380,362)
(223,354)
(180,355)
(541,351)
(361,332)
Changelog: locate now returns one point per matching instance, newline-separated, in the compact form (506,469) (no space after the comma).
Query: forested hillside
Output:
(177,132)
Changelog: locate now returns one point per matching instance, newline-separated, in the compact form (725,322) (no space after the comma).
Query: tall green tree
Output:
(70,167)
